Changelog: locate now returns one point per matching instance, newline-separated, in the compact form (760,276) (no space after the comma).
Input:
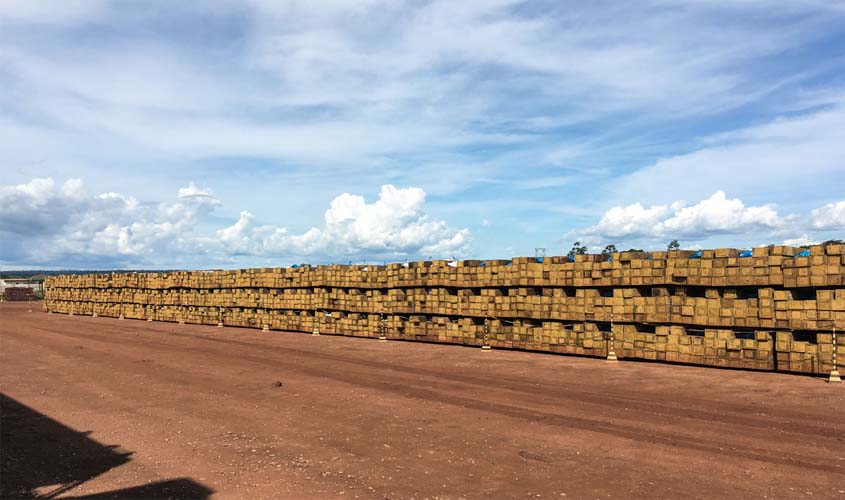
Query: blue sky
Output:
(252,133)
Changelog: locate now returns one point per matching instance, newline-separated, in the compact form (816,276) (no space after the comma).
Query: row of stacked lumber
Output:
(771,308)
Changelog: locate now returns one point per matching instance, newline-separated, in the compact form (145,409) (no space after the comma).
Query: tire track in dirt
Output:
(608,397)
(436,390)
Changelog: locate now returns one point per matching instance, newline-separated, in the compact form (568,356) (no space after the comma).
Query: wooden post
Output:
(834,377)
(486,345)
(181,307)
(611,351)
(382,336)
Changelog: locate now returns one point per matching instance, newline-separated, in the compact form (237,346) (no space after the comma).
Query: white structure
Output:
(19,283)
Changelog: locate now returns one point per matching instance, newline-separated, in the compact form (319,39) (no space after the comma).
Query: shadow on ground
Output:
(41,458)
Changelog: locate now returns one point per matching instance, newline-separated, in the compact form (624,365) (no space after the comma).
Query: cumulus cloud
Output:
(830,216)
(64,226)
(37,207)
(50,224)
(714,219)
(192,191)
(800,241)
(718,214)
(631,220)
(715,215)
(395,225)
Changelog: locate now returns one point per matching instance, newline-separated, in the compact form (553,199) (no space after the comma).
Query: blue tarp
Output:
(696,255)
(803,253)
(483,263)
(571,258)
(746,253)
(510,263)
(539,259)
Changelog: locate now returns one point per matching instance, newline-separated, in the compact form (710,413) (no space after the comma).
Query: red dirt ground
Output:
(130,409)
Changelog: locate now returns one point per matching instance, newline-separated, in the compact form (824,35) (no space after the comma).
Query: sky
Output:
(255,133)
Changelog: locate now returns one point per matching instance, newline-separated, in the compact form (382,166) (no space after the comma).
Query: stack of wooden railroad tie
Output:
(769,308)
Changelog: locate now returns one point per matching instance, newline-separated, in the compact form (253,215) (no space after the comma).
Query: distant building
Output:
(35,285)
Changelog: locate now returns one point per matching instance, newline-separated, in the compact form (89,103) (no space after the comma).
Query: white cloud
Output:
(50,226)
(631,220)
(586,51)
(717,218)
(335,95)
(712,216)
(237,231)
(718,214)
(191,190)
(401,77)
(393,226)
(799,154)
(36,207)
(830,216)
(74,189)
(802,240)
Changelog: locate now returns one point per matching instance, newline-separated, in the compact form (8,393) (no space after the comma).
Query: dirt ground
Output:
(101,408)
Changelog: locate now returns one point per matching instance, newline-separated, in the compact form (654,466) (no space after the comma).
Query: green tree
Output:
(577,249)
(609,249)
(674,245)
